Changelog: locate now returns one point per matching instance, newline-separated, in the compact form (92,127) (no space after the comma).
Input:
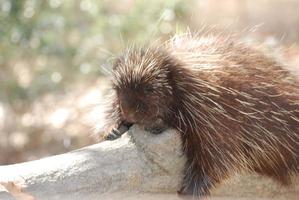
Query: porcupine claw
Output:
(117,132)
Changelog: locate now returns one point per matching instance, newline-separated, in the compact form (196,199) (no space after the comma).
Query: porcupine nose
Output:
(128,114)
(131,118)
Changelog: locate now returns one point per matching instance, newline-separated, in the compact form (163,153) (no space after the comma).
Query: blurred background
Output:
(53,52)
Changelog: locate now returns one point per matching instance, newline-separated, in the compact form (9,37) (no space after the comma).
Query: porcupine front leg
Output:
(118,131)
(115,124)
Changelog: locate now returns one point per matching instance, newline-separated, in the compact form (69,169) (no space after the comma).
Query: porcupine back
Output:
(236,108)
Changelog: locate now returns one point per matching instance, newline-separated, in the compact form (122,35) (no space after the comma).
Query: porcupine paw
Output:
(155,129)
(114,134)
(117,132)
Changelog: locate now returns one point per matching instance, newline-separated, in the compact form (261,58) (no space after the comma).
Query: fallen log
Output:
(138,165)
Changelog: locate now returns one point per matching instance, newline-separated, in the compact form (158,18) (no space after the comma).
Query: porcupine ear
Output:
(171,66)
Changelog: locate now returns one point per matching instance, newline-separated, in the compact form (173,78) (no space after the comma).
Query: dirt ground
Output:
(239,187)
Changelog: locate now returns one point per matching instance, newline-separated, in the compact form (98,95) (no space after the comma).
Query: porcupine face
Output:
(141,83)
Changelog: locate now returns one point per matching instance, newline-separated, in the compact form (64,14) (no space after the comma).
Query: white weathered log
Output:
(138,161)
(138,165)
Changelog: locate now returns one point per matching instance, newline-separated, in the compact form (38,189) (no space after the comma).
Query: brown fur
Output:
(236,108)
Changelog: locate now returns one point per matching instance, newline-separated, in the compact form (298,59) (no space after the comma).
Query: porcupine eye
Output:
(148,90)
(142,107)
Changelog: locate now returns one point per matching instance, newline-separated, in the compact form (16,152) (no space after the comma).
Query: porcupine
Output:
(235,107)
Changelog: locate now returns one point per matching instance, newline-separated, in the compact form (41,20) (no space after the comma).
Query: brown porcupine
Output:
(235,108)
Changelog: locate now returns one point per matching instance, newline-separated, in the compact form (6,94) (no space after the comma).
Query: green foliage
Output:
(47,46)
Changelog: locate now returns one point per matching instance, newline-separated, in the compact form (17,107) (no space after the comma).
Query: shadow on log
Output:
(138,165)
